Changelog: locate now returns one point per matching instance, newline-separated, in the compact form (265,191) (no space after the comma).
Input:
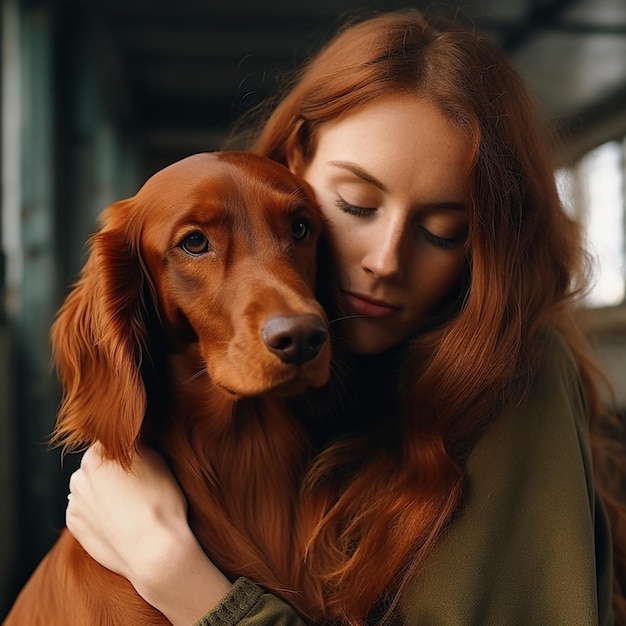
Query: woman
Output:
(459,488)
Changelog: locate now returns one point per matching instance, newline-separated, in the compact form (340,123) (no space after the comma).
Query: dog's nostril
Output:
(317,340)
(283,343)
(295,339)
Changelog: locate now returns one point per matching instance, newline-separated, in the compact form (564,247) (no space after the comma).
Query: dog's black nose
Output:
(295,339)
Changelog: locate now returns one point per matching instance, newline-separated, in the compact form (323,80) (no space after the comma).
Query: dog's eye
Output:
(195,244)
(300,228)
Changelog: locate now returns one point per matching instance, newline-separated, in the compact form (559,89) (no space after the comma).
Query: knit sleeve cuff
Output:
(237,603)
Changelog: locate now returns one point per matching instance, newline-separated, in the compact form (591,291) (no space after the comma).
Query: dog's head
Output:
(214,259)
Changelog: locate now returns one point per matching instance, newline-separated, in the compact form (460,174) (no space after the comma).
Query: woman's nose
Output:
(383,257)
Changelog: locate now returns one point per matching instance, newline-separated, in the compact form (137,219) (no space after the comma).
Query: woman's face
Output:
(390,179)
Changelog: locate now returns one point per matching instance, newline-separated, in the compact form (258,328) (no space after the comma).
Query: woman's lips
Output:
(358,304)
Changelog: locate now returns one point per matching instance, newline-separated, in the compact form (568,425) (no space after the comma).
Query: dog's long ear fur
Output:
(99,341)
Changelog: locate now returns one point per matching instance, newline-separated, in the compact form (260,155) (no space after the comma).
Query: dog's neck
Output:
(240,463)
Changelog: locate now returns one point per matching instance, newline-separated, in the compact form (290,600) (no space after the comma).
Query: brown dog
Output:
(194,317)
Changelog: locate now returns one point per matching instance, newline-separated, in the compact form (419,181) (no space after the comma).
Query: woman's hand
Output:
(135,524)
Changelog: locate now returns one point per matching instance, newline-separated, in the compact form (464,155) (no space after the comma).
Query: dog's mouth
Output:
(291,387)
(288,387)
(229,392)
(299,380)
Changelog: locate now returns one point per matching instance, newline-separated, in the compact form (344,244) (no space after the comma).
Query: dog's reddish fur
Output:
(163,345)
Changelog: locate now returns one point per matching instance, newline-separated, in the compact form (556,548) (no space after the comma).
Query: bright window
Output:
(594,191)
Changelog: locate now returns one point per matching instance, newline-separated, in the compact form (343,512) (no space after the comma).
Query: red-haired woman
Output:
(459,488)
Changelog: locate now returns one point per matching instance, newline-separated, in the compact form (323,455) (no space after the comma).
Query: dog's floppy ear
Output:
(99,341)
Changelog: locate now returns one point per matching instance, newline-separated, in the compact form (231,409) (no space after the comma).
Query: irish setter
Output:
(193,321)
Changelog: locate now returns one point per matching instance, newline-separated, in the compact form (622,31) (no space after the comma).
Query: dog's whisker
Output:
(345,317)
(199,373)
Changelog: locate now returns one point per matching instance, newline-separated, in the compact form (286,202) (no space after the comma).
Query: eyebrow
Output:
(360,172)
(367,177)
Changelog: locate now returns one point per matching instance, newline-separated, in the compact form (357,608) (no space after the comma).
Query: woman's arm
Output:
(135,524)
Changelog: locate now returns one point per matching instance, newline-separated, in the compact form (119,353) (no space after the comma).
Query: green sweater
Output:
(532,545)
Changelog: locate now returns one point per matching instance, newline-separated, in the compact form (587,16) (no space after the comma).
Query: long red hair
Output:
(370,531)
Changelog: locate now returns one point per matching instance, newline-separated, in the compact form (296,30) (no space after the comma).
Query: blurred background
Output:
(96,96)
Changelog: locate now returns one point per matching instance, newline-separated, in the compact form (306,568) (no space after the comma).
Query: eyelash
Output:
(440,242)
(350,209)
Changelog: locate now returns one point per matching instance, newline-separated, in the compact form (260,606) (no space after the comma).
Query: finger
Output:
(70,515)
(77,479)
(92,458)
(72,481)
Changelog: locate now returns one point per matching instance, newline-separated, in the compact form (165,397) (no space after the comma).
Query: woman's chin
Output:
(366,341)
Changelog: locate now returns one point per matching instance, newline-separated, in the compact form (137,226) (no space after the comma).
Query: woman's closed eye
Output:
(445,228)
(448,243)
(352,209)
